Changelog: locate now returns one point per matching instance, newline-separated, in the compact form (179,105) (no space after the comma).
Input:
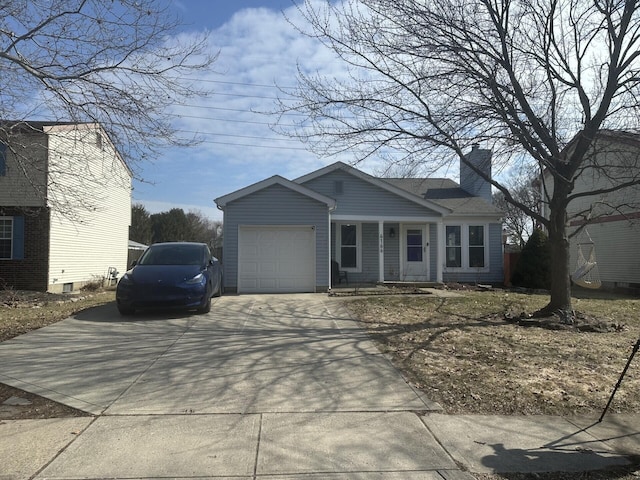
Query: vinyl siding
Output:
(93,236)
(619,159)
(359,197)
(275,205)
(617,252)
(616,242)
(370,264)
(391,252)
(24,182)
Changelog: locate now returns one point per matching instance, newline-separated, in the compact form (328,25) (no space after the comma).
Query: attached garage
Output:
(276,259)
(276,238)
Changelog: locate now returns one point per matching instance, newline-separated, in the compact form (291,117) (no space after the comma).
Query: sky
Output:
(258,51)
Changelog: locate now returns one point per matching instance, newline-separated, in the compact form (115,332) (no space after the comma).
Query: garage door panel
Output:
(276,259)
(248,268)
(268,268)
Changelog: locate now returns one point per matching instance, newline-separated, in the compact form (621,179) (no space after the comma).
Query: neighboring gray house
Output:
(613,216)
(282,235)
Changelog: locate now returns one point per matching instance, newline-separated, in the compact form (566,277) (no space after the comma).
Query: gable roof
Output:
(379,182)
(274,180)
(630,137)
(447,193)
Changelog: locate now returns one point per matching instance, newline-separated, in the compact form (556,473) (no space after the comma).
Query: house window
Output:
(338,187)
(349,247)
(466,246)
(6,237)
(454,246)
(3,159)
(99,140)
(476,246)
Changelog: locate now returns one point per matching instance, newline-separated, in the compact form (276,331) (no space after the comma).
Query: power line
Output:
(206,107)
(232,120)
(240,136)
(244,96)
(275,147)
(238,84)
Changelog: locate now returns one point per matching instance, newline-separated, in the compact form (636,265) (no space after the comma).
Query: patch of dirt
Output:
(580,322)
(630,472)
(16,404)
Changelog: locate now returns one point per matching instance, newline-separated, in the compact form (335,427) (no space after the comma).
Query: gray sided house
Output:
(610,215)
(284,236)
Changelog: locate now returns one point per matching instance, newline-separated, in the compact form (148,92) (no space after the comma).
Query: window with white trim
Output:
(476,246)
(348,251)
(466,247)
(6,238)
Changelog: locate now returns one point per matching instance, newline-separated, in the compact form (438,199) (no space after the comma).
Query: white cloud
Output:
(258,49)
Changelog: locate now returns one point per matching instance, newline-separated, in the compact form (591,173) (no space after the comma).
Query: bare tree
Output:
(518,225)
(534,80)
(117,64)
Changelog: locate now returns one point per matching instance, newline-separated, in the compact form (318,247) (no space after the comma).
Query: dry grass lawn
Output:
(463,353)
(22,311)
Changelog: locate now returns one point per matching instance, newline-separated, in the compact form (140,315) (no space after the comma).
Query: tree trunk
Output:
(560,302)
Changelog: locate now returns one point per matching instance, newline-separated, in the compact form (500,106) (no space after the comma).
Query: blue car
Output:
(171,275)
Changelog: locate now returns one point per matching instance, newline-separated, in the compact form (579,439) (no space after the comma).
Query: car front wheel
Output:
(206,308)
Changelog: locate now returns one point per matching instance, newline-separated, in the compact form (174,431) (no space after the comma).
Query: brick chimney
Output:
(470,181)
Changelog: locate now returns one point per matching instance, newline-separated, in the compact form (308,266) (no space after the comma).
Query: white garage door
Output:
(276,259)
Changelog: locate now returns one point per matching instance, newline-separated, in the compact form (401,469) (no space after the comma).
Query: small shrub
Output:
(533,269)
(95,284)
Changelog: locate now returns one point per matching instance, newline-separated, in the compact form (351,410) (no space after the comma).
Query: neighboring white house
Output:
(612,219)
(65,206)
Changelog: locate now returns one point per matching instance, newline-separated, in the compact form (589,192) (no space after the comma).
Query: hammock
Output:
(586,274)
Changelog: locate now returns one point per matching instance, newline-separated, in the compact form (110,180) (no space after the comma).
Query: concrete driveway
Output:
(271,385)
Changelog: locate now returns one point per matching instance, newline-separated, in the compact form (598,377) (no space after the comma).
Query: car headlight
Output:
(126,280)
(197,279)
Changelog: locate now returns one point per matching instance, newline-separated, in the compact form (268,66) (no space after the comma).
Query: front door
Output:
(415,258)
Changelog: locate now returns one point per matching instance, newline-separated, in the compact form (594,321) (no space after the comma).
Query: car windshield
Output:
(173,255)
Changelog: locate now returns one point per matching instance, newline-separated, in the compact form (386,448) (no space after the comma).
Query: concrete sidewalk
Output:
(354,445)
(278,387)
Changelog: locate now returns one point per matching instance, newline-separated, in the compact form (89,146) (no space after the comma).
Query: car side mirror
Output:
(134,263)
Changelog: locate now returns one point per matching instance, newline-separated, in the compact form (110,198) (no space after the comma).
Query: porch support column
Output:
(381,251)
(440,257)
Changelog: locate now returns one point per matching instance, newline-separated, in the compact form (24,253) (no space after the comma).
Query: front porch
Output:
(387,252)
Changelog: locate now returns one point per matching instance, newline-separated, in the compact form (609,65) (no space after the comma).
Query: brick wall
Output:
(30,273)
